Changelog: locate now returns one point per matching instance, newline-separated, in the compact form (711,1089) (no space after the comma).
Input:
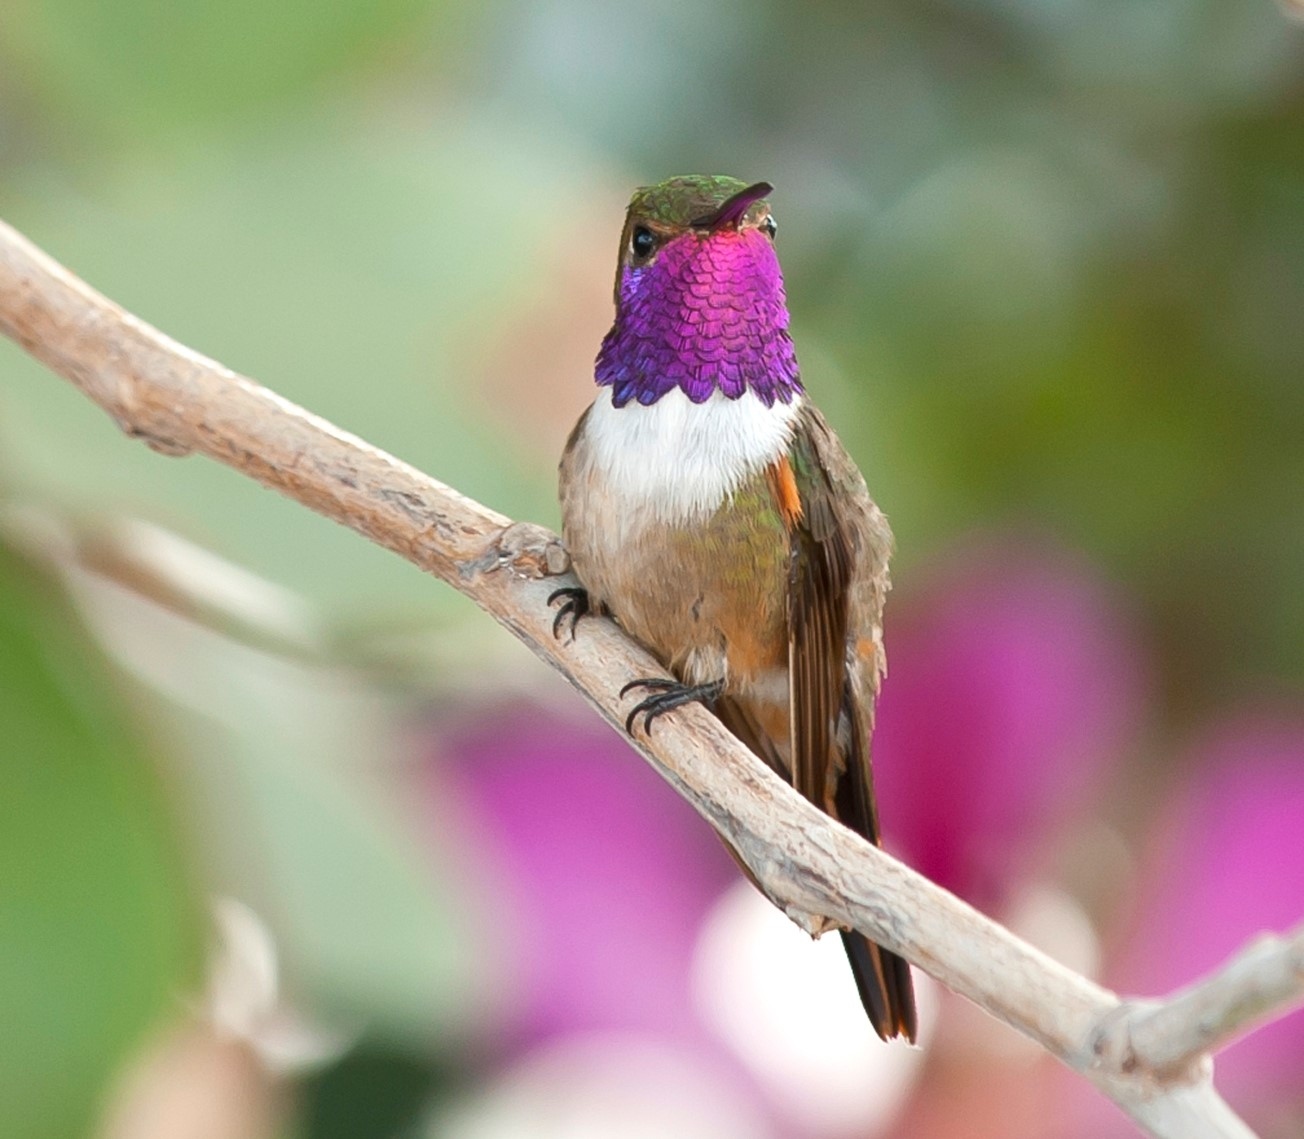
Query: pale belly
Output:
(707,599)
(708,602)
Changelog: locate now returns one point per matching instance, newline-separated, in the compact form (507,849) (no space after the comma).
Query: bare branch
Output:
(174,574)
(180,402)
(1262,981)
(1191,1112)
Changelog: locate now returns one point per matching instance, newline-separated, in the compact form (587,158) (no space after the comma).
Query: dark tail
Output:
(882,978)
(886,991)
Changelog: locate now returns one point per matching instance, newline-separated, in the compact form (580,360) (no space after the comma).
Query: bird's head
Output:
(699,296)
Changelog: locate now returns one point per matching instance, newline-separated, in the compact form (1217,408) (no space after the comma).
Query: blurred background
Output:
(296,843)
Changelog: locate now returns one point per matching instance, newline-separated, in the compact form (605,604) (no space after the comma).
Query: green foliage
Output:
(146,64)
(97,931)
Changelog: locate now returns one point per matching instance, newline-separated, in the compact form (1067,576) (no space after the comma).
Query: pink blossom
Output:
(1013,687)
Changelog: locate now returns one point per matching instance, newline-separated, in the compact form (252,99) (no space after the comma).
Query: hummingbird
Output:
(709,508)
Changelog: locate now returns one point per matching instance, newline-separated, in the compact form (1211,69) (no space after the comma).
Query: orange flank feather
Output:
(784,485)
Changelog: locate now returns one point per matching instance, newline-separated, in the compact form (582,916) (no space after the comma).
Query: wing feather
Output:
(831,767)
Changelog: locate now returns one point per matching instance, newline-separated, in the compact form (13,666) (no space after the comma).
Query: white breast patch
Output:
(678,459)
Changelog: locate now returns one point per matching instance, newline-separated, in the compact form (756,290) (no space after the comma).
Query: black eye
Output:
(770,226)
(643,243)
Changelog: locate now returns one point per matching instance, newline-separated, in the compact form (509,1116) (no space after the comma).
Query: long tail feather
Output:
(886,990)
(882,978)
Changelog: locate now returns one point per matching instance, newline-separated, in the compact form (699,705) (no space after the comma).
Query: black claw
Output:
(573,608)
(655,683)
(667,696)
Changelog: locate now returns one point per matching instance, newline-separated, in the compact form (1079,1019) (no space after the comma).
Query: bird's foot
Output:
(667,695)
(575,604)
